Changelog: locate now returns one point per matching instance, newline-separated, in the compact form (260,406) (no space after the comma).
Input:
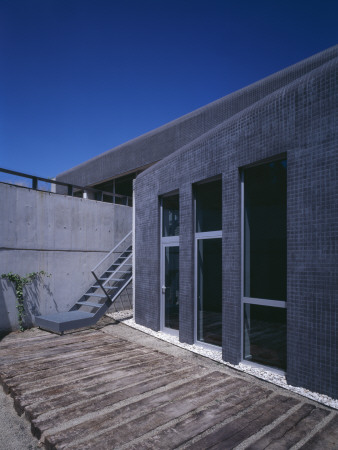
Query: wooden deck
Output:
(104,389)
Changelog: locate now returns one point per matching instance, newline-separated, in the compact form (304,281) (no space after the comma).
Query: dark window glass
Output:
(170,207)
(124,185)
(123,188)
(171,319)
(265,231)
(265,335)
(209,291)
(209,206)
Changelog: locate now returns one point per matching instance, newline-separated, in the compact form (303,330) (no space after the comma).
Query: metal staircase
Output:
(116,274)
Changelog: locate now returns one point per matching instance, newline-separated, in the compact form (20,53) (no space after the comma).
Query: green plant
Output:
(19,283)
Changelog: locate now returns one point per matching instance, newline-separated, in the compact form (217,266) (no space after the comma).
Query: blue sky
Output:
(78,77)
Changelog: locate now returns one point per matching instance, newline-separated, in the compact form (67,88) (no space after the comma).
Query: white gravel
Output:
(127,318)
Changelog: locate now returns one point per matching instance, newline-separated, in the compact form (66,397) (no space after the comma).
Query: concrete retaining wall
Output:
(64,236)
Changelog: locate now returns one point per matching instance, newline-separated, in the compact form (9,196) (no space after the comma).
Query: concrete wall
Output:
(298,121)
(61,235)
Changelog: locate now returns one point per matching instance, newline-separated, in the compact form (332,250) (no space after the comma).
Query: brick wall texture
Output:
(292,114)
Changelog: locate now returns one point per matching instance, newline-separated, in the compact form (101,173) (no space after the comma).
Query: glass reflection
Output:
(265,231)
(265,335)
(209,291)
(170,219)
(171,317)
(208,206)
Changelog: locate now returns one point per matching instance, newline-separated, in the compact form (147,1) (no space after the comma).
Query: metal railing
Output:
(70,189)
(115,269)
(119,248)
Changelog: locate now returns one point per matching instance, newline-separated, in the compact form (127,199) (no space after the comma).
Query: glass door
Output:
(208,263)
(264,268)
(170,230)
(209,290)
(170,287)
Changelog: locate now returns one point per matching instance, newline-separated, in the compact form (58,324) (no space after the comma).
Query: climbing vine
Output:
(19,283)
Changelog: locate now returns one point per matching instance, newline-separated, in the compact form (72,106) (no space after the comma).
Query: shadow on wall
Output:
(124,301)
(5,322)
(34,294)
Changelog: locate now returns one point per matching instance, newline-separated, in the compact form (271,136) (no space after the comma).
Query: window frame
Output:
(199,236)
(252,300)
(166,241)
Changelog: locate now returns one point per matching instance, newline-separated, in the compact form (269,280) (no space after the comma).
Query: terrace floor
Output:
(115,387)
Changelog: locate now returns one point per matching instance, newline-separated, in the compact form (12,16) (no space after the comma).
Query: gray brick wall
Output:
(312,237)
(298,120)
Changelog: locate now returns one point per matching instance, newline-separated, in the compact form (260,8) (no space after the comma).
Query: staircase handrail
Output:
(115,271)
(111,251)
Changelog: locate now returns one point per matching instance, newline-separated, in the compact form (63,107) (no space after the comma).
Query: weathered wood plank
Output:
(39,333)
(88,392)
(120,368)
(46,352)
(111,398)
(243,427)
(326,438)
(21,401)
(203,388)
(26,345)
(73,367)
(17,338)
(137,427)
(186,429)
(42,367)
(292,429)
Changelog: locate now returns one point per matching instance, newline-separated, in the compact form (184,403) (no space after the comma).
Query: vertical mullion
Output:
(161,266)
(242,264)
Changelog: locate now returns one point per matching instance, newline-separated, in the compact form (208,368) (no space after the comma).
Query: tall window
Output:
(208,206)
(170,216)
(170,263)
(264,290)
(208,250)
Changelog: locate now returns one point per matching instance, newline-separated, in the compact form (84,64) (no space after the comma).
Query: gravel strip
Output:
(127,318)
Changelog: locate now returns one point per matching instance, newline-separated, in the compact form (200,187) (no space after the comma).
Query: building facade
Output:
(236,224)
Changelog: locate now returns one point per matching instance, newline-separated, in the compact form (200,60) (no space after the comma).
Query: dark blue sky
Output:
(78,77)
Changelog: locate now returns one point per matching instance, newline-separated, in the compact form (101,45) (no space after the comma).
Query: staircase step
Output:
(63,321)
(114,279)
(101,295)
(117,270)
(111,279)
(96,295)
(92,305)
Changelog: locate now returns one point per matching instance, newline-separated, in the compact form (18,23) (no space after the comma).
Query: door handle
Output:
(163,289)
